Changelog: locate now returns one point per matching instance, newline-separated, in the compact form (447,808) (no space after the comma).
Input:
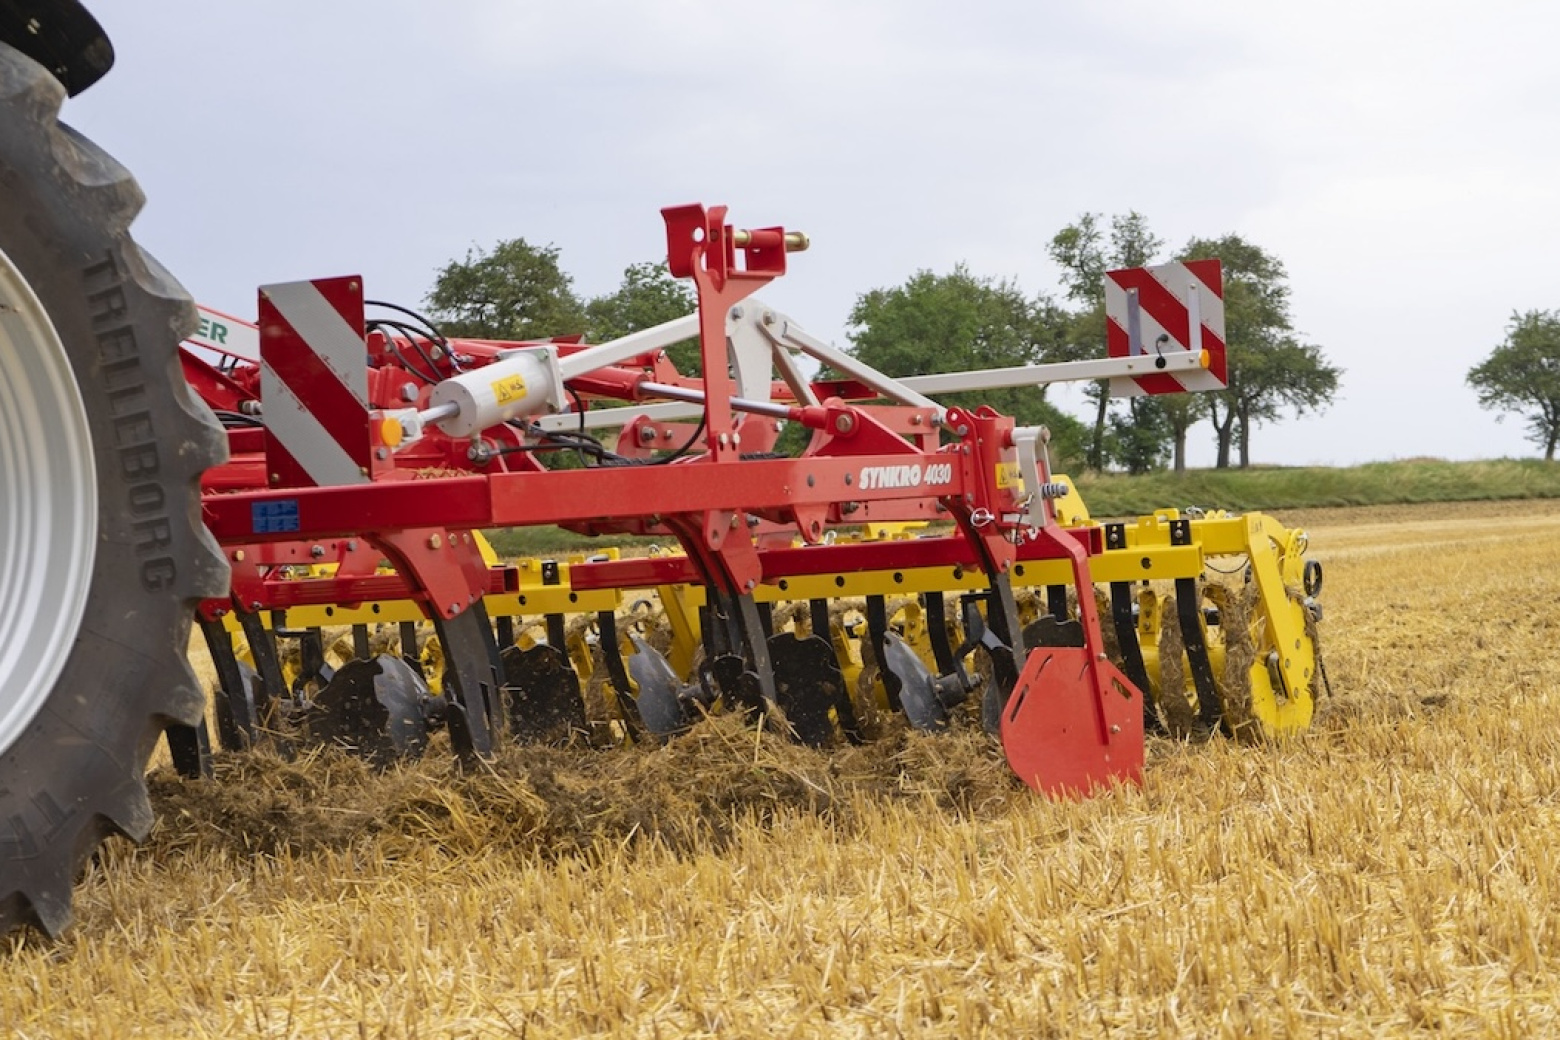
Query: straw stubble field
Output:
(1393,870)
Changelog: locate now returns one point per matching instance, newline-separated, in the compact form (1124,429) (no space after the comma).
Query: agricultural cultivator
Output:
(811,593)
(914,562)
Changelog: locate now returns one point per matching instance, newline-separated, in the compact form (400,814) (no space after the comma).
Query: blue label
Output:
(279,517)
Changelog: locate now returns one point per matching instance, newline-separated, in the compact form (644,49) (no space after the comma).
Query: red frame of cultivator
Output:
(1070,723)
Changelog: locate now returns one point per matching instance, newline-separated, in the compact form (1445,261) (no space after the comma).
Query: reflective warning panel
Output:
(1155,310)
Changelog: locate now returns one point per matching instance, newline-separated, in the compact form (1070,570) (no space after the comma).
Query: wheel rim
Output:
(48,505)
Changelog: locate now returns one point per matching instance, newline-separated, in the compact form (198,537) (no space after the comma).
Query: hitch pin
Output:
(794,241)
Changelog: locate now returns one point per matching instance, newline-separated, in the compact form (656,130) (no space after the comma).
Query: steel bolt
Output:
(434,541)
(316,551)
(844,423)
(646,435)
(381,453)
(408,392)
(238,555)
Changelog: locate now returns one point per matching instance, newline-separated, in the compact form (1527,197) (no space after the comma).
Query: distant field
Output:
(1395,870)
(1270,488)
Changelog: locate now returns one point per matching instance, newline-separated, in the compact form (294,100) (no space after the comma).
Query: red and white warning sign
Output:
(314,381)
(1169,307)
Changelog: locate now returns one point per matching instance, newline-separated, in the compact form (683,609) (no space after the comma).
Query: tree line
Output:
(961,321)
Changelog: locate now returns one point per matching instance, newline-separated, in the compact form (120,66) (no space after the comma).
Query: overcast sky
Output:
(1402,159)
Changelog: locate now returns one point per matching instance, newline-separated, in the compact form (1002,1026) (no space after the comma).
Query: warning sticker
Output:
(1008,475)
(508,389)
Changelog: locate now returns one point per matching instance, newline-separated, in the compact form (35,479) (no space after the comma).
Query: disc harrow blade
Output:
(809,685)
(545,704)
(663,702)
(925,698)
(737,685)
(375,708)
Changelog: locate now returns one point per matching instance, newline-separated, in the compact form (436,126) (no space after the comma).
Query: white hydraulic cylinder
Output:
(521,383)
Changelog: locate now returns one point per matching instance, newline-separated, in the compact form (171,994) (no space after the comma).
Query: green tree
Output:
(648,296)
(1140,440)
(517,291)
(1522,375)
(1270,370)
(958,322)
(1085,251)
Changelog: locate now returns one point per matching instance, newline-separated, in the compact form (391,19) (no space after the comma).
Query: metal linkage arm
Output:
(1058,372)
(783,332)
(614,352)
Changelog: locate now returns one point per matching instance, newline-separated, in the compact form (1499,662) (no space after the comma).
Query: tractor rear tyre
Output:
(102,552)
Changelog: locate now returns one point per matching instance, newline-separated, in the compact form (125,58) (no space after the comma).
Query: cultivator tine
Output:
(362,646)
(271,690)
(999,652)
(376,708)
(504,625)
(408,631)
(818,617)
(235,706)
(877,633)
(471,686)
(1056,603)
(1188,602)
(312,666)
(617,674)
(1188,608)
(1132,664)
(557,624)
(545,703)
(936,608)
(663,703)
(190,749)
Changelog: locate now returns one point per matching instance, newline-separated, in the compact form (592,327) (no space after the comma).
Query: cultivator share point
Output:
(913,561)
